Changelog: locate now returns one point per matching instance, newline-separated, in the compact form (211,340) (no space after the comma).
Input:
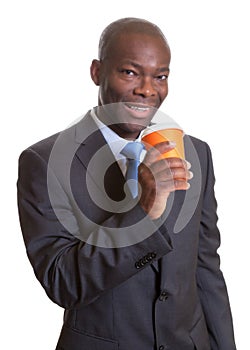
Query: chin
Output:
(134,127)
(129,131)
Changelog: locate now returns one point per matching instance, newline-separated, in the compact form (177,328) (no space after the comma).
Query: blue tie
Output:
(132,151)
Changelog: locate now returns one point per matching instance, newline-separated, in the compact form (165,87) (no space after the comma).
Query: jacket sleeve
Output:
(71,271)
(211,285)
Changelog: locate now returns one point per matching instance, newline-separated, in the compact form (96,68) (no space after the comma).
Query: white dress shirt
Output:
(115,142)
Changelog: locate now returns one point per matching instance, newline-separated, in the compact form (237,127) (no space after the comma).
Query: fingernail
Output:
(191,174)
(188,165)
(172,143)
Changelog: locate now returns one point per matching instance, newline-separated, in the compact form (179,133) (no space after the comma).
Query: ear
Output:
(95,71)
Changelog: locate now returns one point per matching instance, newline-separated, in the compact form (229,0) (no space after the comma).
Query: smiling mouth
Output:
(139,107)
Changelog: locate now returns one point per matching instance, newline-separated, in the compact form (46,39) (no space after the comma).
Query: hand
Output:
(158,177)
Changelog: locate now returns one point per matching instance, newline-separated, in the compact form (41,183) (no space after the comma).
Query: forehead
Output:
(141,46)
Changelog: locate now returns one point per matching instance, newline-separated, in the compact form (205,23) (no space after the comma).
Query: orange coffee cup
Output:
(157,133)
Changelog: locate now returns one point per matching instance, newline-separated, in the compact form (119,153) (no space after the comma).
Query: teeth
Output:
(141,109)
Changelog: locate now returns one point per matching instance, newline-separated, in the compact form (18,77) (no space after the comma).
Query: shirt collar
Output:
(115,142)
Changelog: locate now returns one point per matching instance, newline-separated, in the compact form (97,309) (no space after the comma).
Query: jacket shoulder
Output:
(200,146)
(42,148)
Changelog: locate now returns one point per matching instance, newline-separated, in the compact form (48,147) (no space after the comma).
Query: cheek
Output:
(163,92)
(114,90)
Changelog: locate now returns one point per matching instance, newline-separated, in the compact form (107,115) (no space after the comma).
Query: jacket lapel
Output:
(96,156)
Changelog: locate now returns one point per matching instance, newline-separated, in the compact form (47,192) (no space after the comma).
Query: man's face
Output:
(133,78)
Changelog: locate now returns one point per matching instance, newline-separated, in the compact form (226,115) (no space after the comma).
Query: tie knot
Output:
(133,150)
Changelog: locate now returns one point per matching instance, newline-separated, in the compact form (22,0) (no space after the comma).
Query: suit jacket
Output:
(125,281)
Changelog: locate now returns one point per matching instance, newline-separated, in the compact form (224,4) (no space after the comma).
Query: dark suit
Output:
(164,292)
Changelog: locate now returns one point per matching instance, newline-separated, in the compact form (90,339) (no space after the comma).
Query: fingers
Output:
(167,174)
(172,178)
(171,168)
(154,152)
(171,185)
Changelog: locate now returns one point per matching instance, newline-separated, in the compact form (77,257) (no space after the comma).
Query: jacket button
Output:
(163,296)
(137,265)
(153,255)
(161,347)
(149,257)
(142,263)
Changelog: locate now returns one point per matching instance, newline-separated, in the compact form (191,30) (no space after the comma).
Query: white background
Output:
(46,51)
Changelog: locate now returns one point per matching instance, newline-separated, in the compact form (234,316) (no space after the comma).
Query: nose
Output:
(145,87)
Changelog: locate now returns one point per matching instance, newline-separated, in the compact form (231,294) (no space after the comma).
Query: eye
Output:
(128,72)
(162,77)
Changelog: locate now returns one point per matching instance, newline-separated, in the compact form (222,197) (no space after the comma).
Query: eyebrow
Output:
(136,65)
(163,69)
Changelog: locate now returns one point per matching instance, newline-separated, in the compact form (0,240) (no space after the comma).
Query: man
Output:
(126,279)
